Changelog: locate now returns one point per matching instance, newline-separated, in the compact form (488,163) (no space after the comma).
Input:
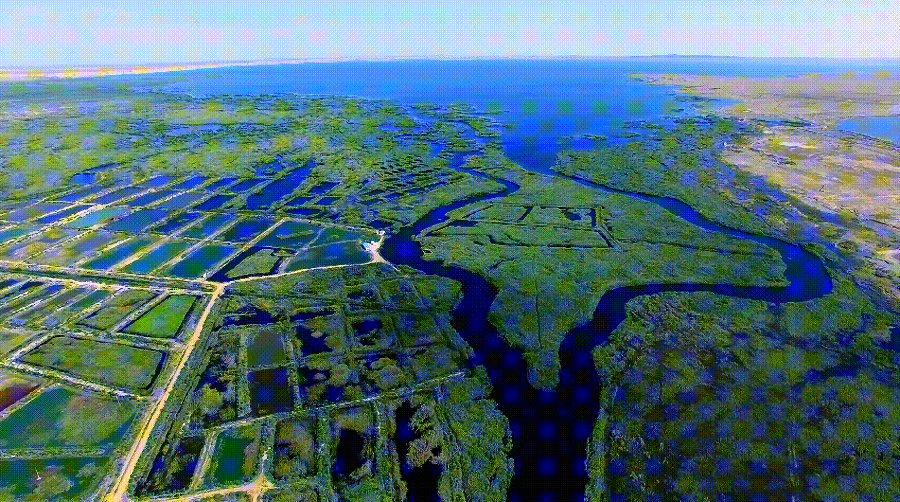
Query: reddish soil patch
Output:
(10,395)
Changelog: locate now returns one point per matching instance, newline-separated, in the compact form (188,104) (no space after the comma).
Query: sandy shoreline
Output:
(63,72)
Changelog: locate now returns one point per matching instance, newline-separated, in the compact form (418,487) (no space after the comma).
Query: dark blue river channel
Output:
(550,430)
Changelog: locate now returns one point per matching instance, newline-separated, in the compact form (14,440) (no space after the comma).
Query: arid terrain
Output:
(826,168)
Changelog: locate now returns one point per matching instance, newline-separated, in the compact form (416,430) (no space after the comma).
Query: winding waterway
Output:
(550,430)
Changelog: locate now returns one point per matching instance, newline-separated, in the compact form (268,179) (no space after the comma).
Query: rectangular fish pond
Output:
(81,194)
(67,478)
(150,198)
(246,230)
(198,262)
(96,217)
(138,220)
(180,201)
(344,253)
(291,234)
(155,258)
(33,211)
(215,202)
(180,220)
(270,391)
(117,195)
(118,254)
(215,185)
(65,213)
(234,457)
(191,183)
(206,227)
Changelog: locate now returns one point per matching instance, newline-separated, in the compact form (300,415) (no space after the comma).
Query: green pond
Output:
(344,253)
(54,419)
(229,459)
(50,479)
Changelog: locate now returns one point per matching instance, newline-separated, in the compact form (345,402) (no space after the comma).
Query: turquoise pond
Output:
(155,258)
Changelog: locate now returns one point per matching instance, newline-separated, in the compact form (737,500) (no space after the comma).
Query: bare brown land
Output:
(820,99)
(42,73)
(843,173)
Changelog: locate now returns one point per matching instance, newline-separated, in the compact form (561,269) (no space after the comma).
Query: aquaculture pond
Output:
(91,299)
(180,201)
(93,241)
(191,183)
(82,178)
(37,417)
(215,185)
(180,220)
(215,202)
(270,391)
(206,227)
(34,479)
(12,233)
(159,181)
(150,198)
(50,307)
(95,217)
(32,211)
(265,347)
(81,194)
(195,264)
(229,458)
(245,185)
(118,254)
(291,234)
(344,253)
(138,220)
(155,258)
(117,195)
(246,230)
(59,215)
(322,187)
(11,394)
(327,201)
(252,261)
(279,188)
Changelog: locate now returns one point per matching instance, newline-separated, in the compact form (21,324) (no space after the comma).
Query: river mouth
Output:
(550,434)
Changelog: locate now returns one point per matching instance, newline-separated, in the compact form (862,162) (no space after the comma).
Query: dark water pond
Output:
(117,195)
(279,188)
(65,213)
(299,201)
(150,198)
(246,185)
(215,185)
(82,178)
(349,453)
(138,220)
(180,201)
(215,202)
(155,258)
(33,211)
(265,348)
(322,187)
(246,230)
(81,194)
(310,345)
(270,391)
(206,228)
(191,183)
(291,234)
(196,263)
(421,482)
(180,220)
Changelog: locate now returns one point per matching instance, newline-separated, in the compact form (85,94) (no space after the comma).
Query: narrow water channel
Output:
(550,430)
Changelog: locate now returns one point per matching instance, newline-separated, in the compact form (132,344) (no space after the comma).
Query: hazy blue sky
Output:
(71,32)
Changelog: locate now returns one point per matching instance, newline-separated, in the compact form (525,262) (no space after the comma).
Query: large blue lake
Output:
(545,106)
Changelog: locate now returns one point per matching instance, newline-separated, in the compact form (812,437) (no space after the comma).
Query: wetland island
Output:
(392,281)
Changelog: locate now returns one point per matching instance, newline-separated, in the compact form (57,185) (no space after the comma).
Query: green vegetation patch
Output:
(114,364)
(708,397)
(117,308)
(551,268)
(258,263)
(165,319)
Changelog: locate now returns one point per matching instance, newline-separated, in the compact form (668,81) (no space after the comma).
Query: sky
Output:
(34,33)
